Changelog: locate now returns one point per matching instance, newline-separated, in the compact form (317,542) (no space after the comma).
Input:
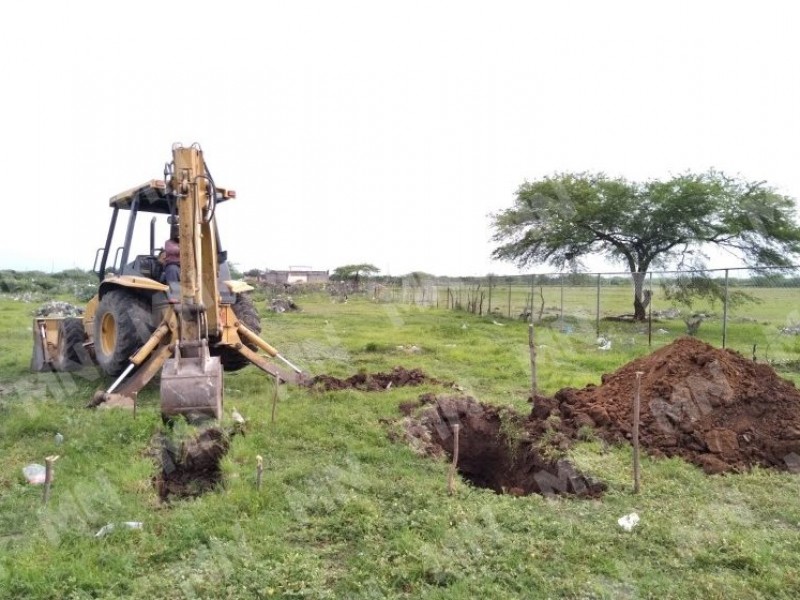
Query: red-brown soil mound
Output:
(712,407)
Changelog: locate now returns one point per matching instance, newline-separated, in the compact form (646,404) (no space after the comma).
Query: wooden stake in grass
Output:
(451,478)
(532,348)
(48,475)
(636,407)
(259,471)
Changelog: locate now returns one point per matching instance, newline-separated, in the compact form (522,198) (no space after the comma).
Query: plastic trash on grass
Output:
(628,522)
(106,529)
(34,473)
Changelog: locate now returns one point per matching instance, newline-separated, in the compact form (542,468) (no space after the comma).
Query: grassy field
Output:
(346,513)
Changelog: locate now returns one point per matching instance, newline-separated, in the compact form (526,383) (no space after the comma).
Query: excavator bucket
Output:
(192,387)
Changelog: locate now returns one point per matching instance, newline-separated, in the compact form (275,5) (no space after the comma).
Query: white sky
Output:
(382,132)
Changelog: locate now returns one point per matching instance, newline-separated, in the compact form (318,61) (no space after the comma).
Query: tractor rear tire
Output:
(71,354)
(122,324)
(246,312)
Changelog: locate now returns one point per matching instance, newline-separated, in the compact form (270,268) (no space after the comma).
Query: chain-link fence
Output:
(753,311)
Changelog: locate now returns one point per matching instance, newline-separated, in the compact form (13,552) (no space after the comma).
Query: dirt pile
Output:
(499,448)
(712,407)
(372,382)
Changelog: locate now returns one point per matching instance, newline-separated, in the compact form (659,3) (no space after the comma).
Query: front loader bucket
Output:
(191,387)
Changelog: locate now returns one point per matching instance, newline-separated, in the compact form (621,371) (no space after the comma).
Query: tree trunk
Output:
(641,297)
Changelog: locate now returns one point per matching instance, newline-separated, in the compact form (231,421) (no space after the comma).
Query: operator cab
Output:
(151,197)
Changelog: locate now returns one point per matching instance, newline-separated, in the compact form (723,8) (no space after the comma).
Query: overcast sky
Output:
(381,132)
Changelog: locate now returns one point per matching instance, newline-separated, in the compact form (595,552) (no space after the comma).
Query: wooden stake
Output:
(259,471)
(451,479)
(532,349)
(48,476)
(636,407)
(275,398)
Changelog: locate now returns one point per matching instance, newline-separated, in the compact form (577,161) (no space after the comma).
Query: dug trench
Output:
(498,448)
(190,466)
(372,382)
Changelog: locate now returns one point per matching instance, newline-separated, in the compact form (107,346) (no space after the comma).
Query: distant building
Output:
(294,275)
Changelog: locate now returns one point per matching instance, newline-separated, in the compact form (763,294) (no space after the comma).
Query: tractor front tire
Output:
(71,354)
(246,312)
(122,324)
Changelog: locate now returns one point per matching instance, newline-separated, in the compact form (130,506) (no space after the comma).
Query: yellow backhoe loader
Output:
(139,324)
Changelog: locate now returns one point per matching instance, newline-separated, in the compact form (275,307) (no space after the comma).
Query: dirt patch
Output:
(372,382)
(713,407)
(499,449)
(190,467)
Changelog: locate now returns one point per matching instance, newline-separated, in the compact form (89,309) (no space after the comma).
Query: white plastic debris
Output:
(237,417)
(603,343)
(628,522)
(34,473)
(59,438)
(106,529)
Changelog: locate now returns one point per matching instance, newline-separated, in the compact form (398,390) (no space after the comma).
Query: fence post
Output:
(533,287)
(598,305)
(491,284)
(725,312)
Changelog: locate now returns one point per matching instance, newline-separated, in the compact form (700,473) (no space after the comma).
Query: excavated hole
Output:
(491,456)
(189,467)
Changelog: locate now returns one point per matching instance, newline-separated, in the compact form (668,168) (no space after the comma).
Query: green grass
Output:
(344,512)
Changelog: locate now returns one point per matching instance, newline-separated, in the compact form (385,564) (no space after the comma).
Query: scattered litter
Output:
(59,439)
(237,416)
(661,331)
(603,343)
(628,522)
(106,529)
(388,385)
(463,326)
(499,324)
(34,473)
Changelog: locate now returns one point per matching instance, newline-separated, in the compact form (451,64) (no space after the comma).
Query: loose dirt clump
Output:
(282,305)
(499,449)
(712,407)
(190,467)
(372,382)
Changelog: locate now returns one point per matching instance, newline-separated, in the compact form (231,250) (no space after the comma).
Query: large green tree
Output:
(354,272)
(563,218)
